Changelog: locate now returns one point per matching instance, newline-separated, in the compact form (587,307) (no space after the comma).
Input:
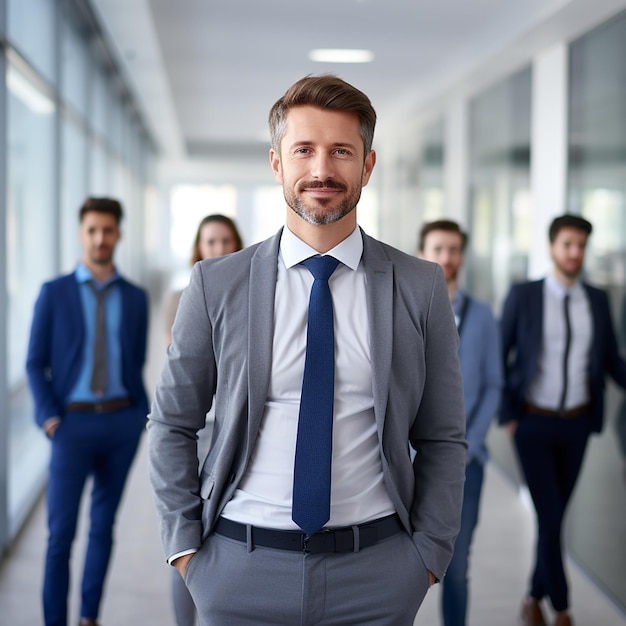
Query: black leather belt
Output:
(100,407)
(345,539)
(583,409)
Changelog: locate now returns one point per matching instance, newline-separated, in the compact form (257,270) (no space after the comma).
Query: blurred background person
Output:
(85,359)
(444,242)
(558,346)
(216,236)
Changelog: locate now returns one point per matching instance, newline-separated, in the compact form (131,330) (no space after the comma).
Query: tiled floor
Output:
(138,588)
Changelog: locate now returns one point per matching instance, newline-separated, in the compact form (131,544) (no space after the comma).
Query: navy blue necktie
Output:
(311,478)
(568,341)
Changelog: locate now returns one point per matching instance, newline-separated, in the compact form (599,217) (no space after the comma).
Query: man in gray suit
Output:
(386,530)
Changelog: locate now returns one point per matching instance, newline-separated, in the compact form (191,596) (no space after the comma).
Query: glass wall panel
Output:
(30,261)
(100,166)
(188,205)
(268,216)
(31,29)
(73,189)
(430,183)
(115,125)
(99,98)
(500,211)
(596,532)
(120,188)
(74,62)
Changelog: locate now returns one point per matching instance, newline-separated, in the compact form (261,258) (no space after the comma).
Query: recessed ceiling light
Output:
(341,55)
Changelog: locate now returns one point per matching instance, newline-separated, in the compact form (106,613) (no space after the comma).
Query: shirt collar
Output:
(293,250)
(83,275)
(556,288)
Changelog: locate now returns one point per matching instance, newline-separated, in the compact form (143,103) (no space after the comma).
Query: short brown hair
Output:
(325,92)
(447,225)
(102,205)
(568,221)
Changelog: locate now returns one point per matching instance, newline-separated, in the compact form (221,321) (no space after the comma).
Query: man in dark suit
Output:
(358,537)
(85,358)
(558,345)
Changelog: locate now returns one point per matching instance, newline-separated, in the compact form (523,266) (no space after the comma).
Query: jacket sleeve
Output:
(183,397)
(615,364)
(38,360)
(438,437)
(508,334)
(141,328)
(490,372)
(135,344)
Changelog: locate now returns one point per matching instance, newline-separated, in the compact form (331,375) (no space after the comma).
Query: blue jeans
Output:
(455,583)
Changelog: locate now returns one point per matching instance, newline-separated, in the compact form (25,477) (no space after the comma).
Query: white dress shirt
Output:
(545,390)
(358,494)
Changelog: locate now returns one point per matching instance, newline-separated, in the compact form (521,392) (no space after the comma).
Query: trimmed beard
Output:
(103,260)
(566,272)
(322,215)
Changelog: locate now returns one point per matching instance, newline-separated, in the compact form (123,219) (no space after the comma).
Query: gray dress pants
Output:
(381,585)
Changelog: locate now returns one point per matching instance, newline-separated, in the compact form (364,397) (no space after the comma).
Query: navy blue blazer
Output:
(522,327)
(56,342)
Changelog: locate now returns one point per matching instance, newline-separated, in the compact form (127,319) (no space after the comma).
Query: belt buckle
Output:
(98,407)
(319,542)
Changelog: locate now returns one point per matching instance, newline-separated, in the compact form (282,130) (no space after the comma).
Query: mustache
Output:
(329,183)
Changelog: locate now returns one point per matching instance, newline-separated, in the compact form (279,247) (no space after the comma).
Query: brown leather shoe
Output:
(563,619)
(87,621)
(531,614)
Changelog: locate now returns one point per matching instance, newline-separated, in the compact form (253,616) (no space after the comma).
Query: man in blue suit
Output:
(558,345)
(444,242)
(85,358)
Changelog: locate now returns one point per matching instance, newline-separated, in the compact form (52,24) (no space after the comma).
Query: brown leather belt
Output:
(575,412)
(108,406)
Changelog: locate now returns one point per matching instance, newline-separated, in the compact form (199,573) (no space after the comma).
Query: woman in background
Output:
(217,236)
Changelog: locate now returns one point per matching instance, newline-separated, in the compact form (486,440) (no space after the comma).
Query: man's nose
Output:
(322,166)
(444,257)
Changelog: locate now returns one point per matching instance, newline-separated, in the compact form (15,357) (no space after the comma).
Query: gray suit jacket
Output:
(222,345)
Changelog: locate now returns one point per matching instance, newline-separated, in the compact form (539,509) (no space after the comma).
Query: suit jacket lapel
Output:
(379,276)
(596,342)
(262,287)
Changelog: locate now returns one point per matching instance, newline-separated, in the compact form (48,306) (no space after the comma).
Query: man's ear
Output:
(276,168)
(368,166)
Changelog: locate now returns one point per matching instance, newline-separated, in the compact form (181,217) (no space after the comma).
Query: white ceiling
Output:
(206,72)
